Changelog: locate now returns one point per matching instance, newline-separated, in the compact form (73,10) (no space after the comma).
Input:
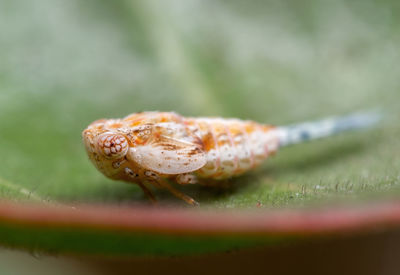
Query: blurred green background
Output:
(66,63)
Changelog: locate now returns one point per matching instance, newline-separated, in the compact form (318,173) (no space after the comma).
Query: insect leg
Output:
(146,190)
(177,193)
(162,183)
(148,193)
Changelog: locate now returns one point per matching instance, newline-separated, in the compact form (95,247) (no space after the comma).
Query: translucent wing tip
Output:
(324,128)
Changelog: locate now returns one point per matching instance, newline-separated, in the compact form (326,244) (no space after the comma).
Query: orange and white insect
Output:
(159,147)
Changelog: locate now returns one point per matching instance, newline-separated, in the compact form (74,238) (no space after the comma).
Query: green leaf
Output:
(66,63)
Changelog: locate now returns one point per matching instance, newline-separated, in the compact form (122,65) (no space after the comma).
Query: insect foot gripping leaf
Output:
(154,147)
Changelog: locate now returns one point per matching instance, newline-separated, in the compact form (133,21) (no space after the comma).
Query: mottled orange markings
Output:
(154,147)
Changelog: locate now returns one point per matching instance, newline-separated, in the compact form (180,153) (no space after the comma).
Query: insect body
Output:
(159,147)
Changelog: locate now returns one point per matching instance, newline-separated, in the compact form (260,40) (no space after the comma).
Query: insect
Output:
(158,148)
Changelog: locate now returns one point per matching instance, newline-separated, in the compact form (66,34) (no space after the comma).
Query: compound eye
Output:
(112,145)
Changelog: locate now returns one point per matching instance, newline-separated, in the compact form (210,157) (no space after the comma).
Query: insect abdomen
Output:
(232,146)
